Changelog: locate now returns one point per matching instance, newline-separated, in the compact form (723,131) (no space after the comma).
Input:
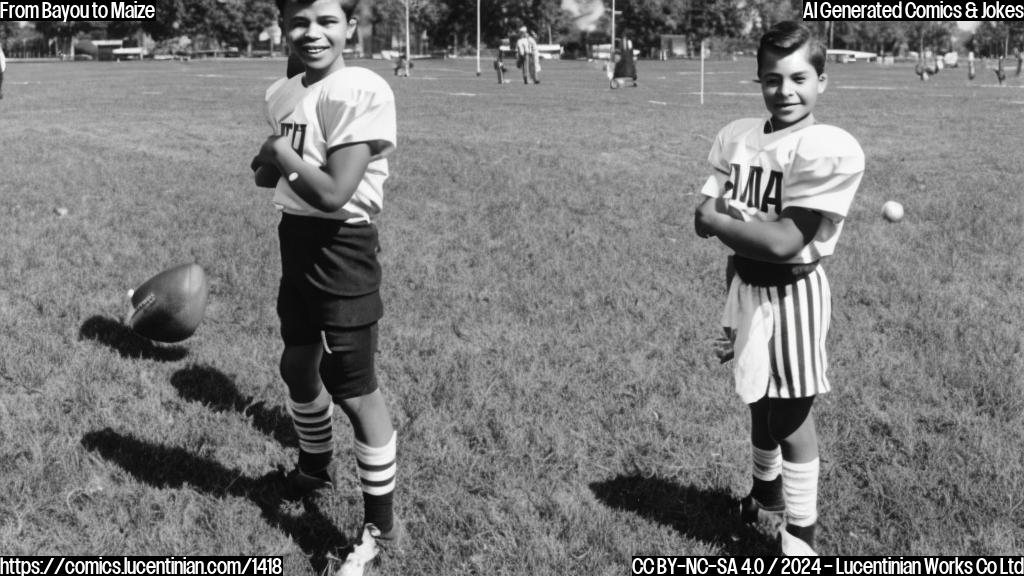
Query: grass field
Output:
(546,346)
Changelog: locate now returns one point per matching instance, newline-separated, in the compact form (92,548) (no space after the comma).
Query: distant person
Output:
(1020,60)
(403,66)
(499,67)
(926,70)
(1000,71)
(778,307)
(525,50)
(3,68)
(333,127)
(624,71)
(970,66)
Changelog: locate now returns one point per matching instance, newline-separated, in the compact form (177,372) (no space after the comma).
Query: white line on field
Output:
(432,69)
(869,88)
(695,72)
(658,102)
(726,94)
(461,94)
(221,76)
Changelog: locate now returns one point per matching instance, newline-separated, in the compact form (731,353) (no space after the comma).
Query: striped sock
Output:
(767,463)
(767,488)
(377,466)
(312,421)
(800,483)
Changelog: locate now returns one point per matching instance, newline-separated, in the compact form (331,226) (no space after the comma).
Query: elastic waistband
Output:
(295,220)
(758,273)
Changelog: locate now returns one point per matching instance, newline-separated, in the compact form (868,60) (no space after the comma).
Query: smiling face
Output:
(317,32)
(790,85)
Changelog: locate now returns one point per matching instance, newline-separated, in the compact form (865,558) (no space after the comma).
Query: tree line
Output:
(452,24)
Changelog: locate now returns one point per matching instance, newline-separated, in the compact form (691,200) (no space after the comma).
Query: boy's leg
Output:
(311,410)
(376,455)
(766,493)
(348,373)
(792,423)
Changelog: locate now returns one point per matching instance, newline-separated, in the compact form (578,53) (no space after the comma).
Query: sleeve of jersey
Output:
(268,99)
(826,171)
(357,114)
(714,186)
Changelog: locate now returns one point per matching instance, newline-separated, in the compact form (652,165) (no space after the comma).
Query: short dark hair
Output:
(348,6)
(787,37)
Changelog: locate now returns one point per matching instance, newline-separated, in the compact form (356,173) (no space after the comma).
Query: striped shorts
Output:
(797,320)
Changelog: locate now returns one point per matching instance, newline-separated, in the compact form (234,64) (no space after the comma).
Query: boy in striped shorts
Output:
(781,189)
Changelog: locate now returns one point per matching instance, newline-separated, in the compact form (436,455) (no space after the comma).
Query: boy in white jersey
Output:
(780,191)
(333,127)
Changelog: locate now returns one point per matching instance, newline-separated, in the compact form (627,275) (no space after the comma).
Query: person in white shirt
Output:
(779,195)
(333,127)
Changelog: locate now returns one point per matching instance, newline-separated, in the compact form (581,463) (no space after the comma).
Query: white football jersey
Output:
(352,105)
(816,167)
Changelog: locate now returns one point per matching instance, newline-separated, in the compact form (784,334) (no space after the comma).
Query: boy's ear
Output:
(822,83)
(351,31)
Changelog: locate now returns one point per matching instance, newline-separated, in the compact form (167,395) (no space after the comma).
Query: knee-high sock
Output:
(377,467)
(800,484)
(312,421)
(767,463)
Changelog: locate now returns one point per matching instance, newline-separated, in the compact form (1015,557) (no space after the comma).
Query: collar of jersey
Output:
(809,120)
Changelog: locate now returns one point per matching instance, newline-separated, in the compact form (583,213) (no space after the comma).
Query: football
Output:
(169,306)
(892,211)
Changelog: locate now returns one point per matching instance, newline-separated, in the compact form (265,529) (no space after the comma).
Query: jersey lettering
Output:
(298,133)
(772,193)
(749,190)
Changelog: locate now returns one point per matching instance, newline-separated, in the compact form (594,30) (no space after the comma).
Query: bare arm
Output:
(326,190)
(775,241)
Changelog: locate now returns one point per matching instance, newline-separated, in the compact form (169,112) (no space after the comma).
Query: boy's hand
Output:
(722,346)
(705,216)
(270,151)
(266,176)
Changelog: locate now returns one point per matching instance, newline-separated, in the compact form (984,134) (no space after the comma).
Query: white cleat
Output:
(362,554)
(793,546)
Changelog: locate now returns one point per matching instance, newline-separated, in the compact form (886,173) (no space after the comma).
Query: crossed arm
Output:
(327,189)
(775,241)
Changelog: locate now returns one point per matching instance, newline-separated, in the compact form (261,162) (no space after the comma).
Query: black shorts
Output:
(347,366)
(330,277)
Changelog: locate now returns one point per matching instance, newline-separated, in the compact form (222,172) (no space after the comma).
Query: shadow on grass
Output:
(116,335)
(164,467)
(708,516)
(217,391)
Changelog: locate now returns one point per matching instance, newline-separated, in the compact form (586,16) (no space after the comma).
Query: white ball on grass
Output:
(892,211)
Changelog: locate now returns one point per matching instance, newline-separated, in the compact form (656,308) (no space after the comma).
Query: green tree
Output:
(997,38)
(424,15)
(930,35)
